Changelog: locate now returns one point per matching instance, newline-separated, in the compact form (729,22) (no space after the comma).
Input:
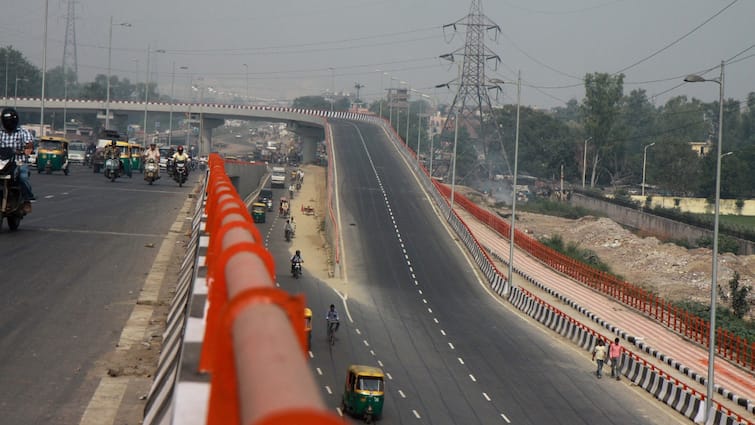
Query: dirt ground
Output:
(671,271)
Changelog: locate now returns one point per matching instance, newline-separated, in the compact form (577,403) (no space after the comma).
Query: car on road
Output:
(76,152)
(165,154)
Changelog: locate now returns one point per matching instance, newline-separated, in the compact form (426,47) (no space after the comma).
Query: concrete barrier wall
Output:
(651,223)
(246,178)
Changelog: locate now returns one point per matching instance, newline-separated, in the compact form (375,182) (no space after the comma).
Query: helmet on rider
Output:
(180,149)
(298,252)
(10,119)
(332,306)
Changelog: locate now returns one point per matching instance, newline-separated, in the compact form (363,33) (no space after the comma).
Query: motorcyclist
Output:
(12,136)
(112,151)
(181,156)
(332,317)
(154,154)
(288,230)
(296,259)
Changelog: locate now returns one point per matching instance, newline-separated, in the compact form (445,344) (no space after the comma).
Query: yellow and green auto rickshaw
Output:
(364,392)
(259,210)
(125,149)
(308,327)
(52,155)
(137,152)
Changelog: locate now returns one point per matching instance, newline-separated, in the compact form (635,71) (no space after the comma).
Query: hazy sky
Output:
(290,46)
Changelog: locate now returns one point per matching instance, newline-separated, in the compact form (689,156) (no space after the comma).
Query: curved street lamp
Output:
(109,58)
(644,161)
(714,274)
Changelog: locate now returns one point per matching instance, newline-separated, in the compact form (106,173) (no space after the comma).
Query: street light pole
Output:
(146,98)
(584,162)
(15,92)
(44,72)
(516,171)
(172,100)
(332,88)
(247,82)
(709,412)
(390,102)
(644,161)
(380,100)
(408,106)
(109,58)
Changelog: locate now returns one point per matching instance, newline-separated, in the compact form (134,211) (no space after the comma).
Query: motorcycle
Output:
(296,269)
(180,173)
(112,168)
(150,171)
(288,234)
(11,203)
(87,159)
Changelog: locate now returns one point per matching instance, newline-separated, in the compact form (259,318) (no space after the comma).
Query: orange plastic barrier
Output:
(254,342)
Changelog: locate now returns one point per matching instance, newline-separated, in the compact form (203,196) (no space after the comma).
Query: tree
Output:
(739,303)
(312,102)
(18,66)
(637,121)
(600,108)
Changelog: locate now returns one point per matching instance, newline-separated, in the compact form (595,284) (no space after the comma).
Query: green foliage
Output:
(574,251)
(554,208)
(739,303)
(600,111)
(725,318)
(725,243)
(312,102)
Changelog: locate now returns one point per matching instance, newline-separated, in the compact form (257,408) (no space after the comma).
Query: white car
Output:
(76,153)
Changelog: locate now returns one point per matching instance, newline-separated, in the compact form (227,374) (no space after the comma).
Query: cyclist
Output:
(332,317)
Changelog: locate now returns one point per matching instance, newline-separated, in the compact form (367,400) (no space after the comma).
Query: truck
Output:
(278,179)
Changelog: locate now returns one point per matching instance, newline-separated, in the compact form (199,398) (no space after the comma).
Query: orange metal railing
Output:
(728,345)
(254,345)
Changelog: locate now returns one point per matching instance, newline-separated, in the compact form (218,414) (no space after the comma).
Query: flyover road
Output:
(454,353)
(71,276)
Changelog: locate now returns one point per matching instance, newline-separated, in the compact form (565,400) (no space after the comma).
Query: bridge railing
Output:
(254,346)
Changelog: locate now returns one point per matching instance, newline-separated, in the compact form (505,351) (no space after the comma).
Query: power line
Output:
(677,40)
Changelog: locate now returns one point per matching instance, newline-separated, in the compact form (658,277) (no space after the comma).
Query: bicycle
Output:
(332,325)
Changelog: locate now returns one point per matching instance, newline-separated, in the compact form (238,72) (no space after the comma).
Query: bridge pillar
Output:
(309,147)
(205,136)
(310,136)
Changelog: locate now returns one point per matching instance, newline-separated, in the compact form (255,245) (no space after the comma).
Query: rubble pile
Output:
(671,271)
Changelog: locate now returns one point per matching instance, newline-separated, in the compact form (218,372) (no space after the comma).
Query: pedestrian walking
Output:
(614,353)
(599,355)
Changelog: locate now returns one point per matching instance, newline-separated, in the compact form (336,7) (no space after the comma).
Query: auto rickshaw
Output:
(308,327)
(259,210)
(125,149)
(364,392)
(52,155)
(137,152)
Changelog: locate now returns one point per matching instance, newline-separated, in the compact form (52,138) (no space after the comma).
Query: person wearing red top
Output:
(614,354)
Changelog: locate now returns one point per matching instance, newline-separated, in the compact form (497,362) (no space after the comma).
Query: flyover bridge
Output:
(307,123)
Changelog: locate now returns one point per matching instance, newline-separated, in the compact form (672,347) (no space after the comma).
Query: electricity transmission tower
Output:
(471,104)
(70,57)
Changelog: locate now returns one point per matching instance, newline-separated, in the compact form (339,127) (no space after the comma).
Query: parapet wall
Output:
(651,223)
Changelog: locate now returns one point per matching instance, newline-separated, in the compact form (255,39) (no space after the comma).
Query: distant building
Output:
(701,148)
